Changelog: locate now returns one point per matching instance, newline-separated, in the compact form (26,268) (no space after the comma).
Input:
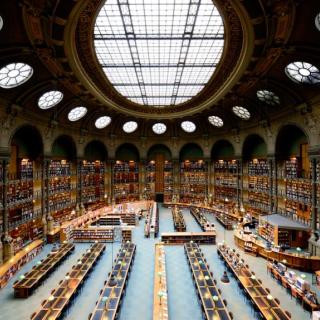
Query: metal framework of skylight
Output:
(159,52)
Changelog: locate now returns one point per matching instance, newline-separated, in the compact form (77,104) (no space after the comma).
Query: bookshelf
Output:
(297,190)
(1,197)
(125,181)
(150,180)
(59,188)
(225,180)
(168,181)
(193,181)
(257,187)
(92,175)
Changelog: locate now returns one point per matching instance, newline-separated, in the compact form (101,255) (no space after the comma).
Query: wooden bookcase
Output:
(257,188)
(225,180)
(193,181)
(125,181)
(92,181)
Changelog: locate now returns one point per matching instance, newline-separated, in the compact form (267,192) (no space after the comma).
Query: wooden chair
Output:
(32,316)
(268,290)
(89,316)
(225,302)
(288,314)
(231,314)
(277,301)
(260,281)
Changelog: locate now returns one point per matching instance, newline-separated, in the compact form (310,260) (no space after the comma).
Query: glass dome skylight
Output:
(303,72)
(268,97)
(50,99)
(14,74)
(77,113)
(188,126)
(241,112)
(130,126)
(215,121)
(159,128)
(102,122)
(159,53)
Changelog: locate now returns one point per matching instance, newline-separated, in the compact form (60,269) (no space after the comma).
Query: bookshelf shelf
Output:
(193,181)
(125,181)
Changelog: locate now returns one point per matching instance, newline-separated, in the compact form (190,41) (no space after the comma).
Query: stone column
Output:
(142,178)
(176,179)
(110,165)
(79,183)
(7,240)
(272,185)
(314,201)
(239,183)
(44,192)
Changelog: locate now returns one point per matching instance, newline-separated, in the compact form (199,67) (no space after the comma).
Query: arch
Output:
(159,149)
(64,147)
(27,141)
(289,140)
(222,149)
(191,151)
(127,152)
(95,150)
(254,146)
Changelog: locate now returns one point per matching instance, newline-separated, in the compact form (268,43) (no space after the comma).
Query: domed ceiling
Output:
(158,68)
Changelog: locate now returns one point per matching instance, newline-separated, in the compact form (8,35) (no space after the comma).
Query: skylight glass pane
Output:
(151,51)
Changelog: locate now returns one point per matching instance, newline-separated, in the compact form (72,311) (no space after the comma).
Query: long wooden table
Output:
(182,237)
(160,303)
(54,307)
(110,299)
(212,303)
(267,306)
(295,292)
(178,220)
(31,280)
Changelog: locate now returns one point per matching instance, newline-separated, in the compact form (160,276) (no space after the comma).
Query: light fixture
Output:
(215,121)
(268,97)
(188,126)
(241,112)
(130,126)
(269,297)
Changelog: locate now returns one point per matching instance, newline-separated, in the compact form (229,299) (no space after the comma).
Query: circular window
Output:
(159,128)
(268,97)
(102,122)
(50,99)
(241,112)
(14,74)
(1,23)
(215,121)
(188,126)
(317,21)
(159,53)
(303,72)
(77,113)
(130,126)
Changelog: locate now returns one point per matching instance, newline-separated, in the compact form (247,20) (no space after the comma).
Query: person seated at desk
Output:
(310,296)
(275,264)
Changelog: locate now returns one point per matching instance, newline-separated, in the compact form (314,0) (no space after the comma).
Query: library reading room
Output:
(159,159)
